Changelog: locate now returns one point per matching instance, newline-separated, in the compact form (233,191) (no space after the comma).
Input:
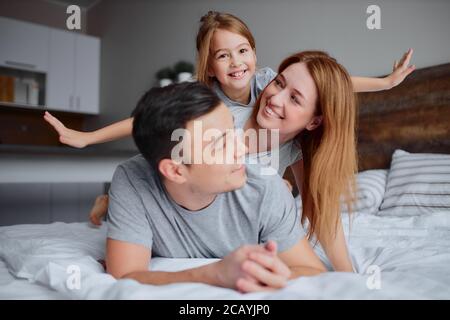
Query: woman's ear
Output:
(314,123)
(211,73)
(172,170)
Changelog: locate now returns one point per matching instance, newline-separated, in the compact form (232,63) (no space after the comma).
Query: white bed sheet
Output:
(22,289)
(412,253)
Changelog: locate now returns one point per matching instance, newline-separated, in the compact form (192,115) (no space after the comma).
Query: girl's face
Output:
(233,61)
(288,103)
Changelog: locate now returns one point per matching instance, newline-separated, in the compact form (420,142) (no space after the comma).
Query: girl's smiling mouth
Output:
(237,75)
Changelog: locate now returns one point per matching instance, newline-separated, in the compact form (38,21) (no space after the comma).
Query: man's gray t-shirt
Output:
(142,212)
(288,153)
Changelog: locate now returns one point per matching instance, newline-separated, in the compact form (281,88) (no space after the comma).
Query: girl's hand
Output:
(401,70)
(68,136)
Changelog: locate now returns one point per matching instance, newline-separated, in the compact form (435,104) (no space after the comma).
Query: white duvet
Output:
(396,258)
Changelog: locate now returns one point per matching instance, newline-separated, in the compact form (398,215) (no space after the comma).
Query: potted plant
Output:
(165,76)
(183,70)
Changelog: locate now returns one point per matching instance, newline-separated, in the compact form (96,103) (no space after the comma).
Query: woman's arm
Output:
(400,71)
(336,250)
(80,139)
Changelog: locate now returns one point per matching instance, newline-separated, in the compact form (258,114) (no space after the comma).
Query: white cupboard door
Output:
(23,45)
(87,74)
(61,75)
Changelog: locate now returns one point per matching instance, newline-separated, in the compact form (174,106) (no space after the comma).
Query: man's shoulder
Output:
(263,181)
(264,196)
(134,163)
(136,166)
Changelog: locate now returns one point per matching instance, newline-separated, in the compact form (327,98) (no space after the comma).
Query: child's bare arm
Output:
(400,71)
(80,139)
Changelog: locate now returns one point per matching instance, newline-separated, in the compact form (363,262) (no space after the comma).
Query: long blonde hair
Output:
(210,22)
(329,151)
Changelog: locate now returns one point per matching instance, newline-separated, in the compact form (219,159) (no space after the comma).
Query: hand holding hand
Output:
(264,270)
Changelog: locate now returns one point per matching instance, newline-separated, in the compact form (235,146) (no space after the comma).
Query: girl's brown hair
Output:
(210,22)
(329,151)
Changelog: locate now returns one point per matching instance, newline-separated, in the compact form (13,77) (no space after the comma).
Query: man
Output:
(161,206)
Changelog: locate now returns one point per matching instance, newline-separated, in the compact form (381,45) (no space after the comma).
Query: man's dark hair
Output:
(160,111)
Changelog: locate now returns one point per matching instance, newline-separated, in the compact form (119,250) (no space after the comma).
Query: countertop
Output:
(63,150)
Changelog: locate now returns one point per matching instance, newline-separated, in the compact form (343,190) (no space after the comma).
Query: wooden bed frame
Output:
(415,117)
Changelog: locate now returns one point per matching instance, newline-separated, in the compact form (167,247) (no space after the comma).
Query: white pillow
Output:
(371,186)
(417,183)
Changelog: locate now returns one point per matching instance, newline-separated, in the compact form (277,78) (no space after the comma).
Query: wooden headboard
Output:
(415,116)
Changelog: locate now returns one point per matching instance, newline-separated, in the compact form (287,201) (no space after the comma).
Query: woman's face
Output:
(289,102)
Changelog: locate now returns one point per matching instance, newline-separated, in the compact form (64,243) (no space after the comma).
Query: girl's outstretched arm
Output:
(400,71)
(80,139)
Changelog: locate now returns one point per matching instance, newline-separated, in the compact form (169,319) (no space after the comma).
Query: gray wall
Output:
(47,202)
(139,37)
(46,12)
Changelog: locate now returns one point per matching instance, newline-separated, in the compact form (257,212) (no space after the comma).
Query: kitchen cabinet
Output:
(73,78)
(70,61)
(24,45)
(60,78)
(87,74)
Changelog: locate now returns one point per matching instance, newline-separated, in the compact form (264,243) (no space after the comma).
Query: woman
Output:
(312,104)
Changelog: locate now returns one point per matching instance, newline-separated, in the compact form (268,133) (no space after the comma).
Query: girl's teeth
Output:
(237,74)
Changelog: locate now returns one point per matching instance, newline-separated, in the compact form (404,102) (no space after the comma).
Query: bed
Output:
(16,288)
(395,257)
(399,236)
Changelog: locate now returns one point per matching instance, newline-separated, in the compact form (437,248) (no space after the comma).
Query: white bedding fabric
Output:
(413,254)
(13,288)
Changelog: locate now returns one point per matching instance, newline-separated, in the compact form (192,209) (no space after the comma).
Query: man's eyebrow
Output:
(296,91)
(242,44)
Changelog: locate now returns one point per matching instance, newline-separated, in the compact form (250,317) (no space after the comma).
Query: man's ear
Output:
(172,170)
(314,123)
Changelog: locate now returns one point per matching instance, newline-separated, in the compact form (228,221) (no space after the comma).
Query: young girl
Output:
(226,61)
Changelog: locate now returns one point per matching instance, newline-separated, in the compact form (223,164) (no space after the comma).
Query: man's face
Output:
(220,152)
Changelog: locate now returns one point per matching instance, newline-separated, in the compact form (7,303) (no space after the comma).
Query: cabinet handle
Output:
(78,102)
(20,64)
